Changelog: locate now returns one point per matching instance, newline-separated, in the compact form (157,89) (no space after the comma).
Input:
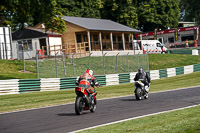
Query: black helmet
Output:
(140,70)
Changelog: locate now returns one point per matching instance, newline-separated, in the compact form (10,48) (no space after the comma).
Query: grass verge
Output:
(180,121)
(16,102)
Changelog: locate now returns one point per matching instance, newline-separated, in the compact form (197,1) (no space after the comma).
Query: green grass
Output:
(42,99)
(12,69)
(162,61)
(181,121)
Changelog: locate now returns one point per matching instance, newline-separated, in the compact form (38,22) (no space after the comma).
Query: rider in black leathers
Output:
(144,77)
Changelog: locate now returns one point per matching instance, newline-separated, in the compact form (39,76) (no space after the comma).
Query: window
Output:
(78,38)
(187,37)
(127,38)
(26,44)
(107,37)
(158,44)
(114,38)
(85,38)
(102,36)
(170,39)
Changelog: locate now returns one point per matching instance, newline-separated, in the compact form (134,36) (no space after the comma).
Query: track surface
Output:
(62,119)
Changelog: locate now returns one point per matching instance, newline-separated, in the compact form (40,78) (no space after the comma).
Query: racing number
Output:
(82,89)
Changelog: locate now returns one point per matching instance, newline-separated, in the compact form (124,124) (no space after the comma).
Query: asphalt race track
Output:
(62,119)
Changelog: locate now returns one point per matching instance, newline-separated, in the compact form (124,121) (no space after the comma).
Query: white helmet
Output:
(89,72)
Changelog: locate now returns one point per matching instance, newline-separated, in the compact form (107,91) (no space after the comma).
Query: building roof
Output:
(28,33)
(98,24)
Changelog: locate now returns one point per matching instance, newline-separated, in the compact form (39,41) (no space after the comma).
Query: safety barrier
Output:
(29,85)
(9,86)
(16,86)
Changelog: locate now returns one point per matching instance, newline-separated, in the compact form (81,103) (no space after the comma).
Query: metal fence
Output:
(60,66)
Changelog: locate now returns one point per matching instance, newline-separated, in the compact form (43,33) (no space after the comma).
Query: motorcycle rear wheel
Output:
(93,109)
(138,93)
(79,105)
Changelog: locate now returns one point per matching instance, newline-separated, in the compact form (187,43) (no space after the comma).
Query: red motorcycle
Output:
(84,101)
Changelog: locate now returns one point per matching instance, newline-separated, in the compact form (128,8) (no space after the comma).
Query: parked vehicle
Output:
(84,101)
(153,46)
(140,90)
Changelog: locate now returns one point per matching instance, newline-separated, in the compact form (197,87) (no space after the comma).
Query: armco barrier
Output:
(9,86)
(179,70)
(180,51)
(50,84)
(154,74)
(124,78)
(163,73)
(29,85)
(101,79)
(67,83)
(171,72)
(196,67)
(112,79)
(15,86)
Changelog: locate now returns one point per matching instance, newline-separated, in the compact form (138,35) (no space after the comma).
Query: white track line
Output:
(98,100)
(133,118)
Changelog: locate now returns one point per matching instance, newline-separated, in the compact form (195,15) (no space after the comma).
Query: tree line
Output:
(145,15)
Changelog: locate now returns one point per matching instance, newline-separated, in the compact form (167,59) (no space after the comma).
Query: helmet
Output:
(140,70)
(89,72)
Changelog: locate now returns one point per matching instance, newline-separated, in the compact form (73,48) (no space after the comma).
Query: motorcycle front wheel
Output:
(79,105)
(138,93)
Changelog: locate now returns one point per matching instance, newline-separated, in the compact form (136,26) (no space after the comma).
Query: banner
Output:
(176,34)
(196,32)
(155,34)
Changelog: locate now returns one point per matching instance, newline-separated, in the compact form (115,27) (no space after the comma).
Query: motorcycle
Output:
(84,101)
(140,90)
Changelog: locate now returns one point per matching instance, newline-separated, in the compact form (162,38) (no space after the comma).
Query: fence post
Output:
(104,63)
(23,59)
(147,61)
(3,51)
(37,69)
(127,62)
(138,60)
(56,64)
(116,61)
(0,52)
(63,56)
(73,63)
(89,59)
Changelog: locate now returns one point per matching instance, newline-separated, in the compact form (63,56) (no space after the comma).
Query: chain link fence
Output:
(60,66)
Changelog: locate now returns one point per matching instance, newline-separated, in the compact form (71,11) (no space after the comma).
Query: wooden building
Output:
(92,35)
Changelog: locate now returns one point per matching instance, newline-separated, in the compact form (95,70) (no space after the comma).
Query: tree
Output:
(190,10)
(85,8)
(122,11)
(20,13)
(159,14)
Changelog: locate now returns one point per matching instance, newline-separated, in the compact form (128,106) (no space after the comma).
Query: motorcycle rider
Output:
(88,81)
(144,78)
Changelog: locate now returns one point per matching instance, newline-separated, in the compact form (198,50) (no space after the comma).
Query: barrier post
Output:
(138,60)
(23,59)
(116,61)
(104,63)
(127,62)
(73,64)
(64,67)
(56,65)
(37,69)
(147,62)
(89,59)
